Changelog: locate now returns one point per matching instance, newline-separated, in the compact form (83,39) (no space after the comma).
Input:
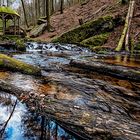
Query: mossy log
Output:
(12,64)
(89,29)
(108,69)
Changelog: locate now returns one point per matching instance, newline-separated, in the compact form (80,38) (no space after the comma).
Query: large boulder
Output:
(38,30)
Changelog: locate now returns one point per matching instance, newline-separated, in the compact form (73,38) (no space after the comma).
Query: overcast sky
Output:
(15,4)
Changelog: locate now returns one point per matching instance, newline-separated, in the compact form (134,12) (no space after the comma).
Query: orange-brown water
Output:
(123,60)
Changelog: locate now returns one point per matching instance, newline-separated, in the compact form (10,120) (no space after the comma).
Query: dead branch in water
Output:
(6,123)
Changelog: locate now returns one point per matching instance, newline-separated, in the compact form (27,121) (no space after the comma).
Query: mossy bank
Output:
(93,33)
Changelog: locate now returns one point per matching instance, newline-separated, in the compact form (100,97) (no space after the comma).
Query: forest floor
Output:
(70,18)
(92,9)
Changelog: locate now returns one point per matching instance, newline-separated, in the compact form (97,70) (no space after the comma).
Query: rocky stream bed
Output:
(77,97)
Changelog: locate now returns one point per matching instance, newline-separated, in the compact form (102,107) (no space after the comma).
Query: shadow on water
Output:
(24,125)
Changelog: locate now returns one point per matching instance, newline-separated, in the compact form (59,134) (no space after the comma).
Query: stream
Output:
(68,103)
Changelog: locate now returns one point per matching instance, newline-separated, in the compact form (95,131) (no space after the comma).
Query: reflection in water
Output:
(26,126)
(124,60)
(14,129)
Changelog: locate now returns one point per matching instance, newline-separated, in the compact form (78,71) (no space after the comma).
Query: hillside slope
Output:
(88,11)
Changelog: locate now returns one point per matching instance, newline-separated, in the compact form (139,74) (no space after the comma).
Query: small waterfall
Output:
(34,46)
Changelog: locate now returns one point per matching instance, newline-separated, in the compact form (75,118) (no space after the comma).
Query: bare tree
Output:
(25,17)
(48,14)
(61,6)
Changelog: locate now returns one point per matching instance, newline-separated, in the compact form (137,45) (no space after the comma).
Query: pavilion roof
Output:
(8,10)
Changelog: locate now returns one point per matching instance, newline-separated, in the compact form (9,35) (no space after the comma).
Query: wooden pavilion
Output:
(6,14)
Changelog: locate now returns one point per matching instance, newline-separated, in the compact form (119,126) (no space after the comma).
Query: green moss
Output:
(97,40)
(20,45)
(137,46)
(103,52)
(101,25)
(9,37)
(12,64)
(8,10)
(20,42)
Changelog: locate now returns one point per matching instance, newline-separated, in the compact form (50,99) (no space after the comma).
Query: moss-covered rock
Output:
(19,43)
(101,25)
(97,40)
(12,64)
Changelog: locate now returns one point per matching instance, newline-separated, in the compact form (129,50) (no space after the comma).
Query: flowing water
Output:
(71,95)
(23,125)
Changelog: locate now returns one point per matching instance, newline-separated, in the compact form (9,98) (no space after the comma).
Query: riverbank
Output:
(87,104)
(95,11)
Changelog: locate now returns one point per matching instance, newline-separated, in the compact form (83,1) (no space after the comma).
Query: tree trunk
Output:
(129,26)
(126,27)
(52,7)
(38,8)
(26,22)
(48,14)
(61,6)
(44,8)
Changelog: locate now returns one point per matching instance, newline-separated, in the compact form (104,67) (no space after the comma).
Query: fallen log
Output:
(106,111)
(108,69)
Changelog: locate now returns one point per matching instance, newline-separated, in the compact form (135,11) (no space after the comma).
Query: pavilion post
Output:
(14,25)
(3,21)
(18,27)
